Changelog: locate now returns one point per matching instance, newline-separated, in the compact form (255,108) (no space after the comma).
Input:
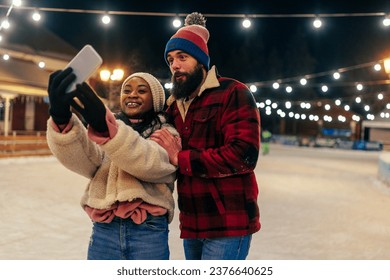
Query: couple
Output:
(211,149)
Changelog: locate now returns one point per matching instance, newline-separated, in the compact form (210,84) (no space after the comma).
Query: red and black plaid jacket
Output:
(217,188)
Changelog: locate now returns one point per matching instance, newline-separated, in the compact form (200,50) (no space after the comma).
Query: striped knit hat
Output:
(192,38)
(156,88)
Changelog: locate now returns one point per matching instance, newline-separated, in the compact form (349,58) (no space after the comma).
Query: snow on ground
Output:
(314,203)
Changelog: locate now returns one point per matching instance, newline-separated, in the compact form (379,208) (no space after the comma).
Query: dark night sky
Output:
(273,48)
(342,42)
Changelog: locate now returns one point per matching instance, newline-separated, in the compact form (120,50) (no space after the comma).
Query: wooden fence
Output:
(23,145)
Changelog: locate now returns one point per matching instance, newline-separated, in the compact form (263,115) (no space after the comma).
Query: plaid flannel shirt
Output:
(217,188)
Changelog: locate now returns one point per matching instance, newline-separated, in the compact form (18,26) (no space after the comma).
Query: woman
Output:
(129,196)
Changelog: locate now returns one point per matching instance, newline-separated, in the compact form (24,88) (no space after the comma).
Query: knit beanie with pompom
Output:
(192,38)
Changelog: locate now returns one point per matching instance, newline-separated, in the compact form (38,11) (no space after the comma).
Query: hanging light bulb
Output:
(386,21)
(317,23)
(377,67)
(253,88)
(246,23)
(17,3)
(36,16)
(5,24)
(106,19)
(177,22)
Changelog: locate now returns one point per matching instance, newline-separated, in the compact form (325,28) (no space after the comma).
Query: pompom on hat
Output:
(156,88)
(192,38)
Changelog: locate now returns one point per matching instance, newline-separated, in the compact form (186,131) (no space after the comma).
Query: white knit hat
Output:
(156,88)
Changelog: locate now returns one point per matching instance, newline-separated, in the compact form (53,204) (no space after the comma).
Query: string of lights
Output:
(286,83)
(210,15)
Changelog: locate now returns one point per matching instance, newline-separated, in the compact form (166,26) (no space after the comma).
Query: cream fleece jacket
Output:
(124,168)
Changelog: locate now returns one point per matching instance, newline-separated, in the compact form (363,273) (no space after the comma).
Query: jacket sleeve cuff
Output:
(102,138)
(61,128)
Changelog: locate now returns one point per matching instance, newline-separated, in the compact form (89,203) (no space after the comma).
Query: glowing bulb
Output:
(246,23)
(41,64)
(5,24)
(17,3)
(303,81)
(36,16)
(117,75)
(176,23)
(253,88)
(377,67)
(336,75)
(317,23)
(105,75)
(106,19)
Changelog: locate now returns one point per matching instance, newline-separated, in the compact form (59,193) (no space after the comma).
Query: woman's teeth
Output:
(132,104)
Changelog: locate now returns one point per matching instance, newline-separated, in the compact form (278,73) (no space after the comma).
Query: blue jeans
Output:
(224,248)
(122,239)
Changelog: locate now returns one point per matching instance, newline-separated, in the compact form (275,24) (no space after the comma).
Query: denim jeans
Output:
(224,248)
(122,239)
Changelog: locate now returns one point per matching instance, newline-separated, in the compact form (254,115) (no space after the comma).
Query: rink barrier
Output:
(23,145)
(384,167)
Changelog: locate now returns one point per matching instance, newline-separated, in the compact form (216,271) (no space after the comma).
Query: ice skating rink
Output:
(316,204)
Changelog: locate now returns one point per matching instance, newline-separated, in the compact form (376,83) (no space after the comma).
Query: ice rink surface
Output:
(316,204)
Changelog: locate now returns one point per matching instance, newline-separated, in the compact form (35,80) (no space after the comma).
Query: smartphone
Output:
(84,64)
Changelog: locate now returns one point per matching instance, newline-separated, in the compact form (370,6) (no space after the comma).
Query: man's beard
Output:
(183,89)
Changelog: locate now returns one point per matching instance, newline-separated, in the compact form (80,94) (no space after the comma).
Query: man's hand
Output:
(91,108)
(172,144)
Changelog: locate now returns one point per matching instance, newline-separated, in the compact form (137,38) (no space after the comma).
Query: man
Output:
(219,125)
(265,139)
